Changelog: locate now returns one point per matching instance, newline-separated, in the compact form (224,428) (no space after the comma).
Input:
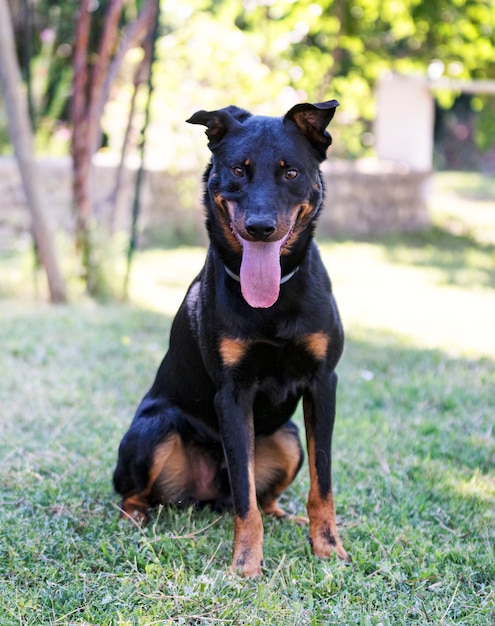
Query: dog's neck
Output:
(283,280)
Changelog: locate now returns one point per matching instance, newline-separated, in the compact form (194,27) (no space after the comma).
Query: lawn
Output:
(414,448)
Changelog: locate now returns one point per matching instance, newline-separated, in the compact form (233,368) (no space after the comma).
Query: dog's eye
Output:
(238,171)
(290,174)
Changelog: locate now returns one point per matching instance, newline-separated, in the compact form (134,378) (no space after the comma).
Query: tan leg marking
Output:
(323,531)
(248,538)
(248,541)
(278,454)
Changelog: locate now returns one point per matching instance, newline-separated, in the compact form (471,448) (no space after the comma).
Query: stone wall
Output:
(362,199)
(366,198)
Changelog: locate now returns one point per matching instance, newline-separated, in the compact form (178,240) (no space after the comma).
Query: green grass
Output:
(414,452)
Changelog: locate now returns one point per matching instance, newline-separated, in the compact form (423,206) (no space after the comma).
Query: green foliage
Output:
(339,49)
(484,109)
(267,55)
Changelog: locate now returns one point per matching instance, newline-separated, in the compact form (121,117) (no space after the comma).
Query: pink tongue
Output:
(260,273)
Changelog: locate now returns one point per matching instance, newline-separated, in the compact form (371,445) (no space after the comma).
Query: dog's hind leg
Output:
(146,480)
(178,473)
(278,458)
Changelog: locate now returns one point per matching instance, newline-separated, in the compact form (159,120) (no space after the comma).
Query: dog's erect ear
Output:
(312,120)
(219,123)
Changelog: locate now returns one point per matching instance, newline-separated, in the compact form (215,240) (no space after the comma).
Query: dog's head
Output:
(264,190)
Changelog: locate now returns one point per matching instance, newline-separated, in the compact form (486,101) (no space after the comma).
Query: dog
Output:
(258,331)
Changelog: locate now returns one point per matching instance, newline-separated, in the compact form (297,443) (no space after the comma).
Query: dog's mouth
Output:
(261,274)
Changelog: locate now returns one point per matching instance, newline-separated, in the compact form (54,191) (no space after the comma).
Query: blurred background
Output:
(107,86)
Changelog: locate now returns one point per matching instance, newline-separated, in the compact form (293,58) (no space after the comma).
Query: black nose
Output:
(260,228)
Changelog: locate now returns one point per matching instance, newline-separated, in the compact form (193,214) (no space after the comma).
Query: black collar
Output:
(283,280)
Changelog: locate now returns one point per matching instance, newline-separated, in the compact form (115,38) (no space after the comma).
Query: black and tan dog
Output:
(258,330)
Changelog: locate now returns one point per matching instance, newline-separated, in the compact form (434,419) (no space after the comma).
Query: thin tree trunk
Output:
(80,146)
(149,47)
(86,112)
(96,101)
(113,198)
(138,32)
(134,34)
(22,140)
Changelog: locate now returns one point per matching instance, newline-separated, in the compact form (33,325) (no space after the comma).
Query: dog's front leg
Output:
(319,417)
(234,409)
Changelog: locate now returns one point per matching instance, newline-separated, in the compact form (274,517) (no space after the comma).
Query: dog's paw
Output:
(247,562)
(246,569)
(282,515)
(326,545)
(134,510)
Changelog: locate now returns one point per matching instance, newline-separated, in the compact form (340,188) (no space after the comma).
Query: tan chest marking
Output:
(316,344)
(232,350)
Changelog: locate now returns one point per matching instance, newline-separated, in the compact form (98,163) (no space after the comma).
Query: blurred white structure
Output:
(404,121)
(406,115)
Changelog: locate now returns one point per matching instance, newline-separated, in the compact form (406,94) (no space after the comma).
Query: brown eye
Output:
(238,171)
(291,174)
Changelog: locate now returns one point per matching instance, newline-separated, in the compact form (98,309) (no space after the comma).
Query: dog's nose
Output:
(260,228)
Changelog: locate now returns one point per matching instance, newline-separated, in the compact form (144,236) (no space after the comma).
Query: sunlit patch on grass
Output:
(411,300)
(159,278)
(480,486)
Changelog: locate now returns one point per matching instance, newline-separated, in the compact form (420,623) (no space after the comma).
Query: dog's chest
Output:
(258,361)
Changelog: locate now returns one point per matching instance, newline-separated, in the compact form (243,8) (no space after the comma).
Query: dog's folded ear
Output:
(312,120)
(219,123)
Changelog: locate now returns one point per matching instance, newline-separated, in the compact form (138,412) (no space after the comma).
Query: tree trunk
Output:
(142,31)
(80,147)
(86,113)
(22,140)
(149,47)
